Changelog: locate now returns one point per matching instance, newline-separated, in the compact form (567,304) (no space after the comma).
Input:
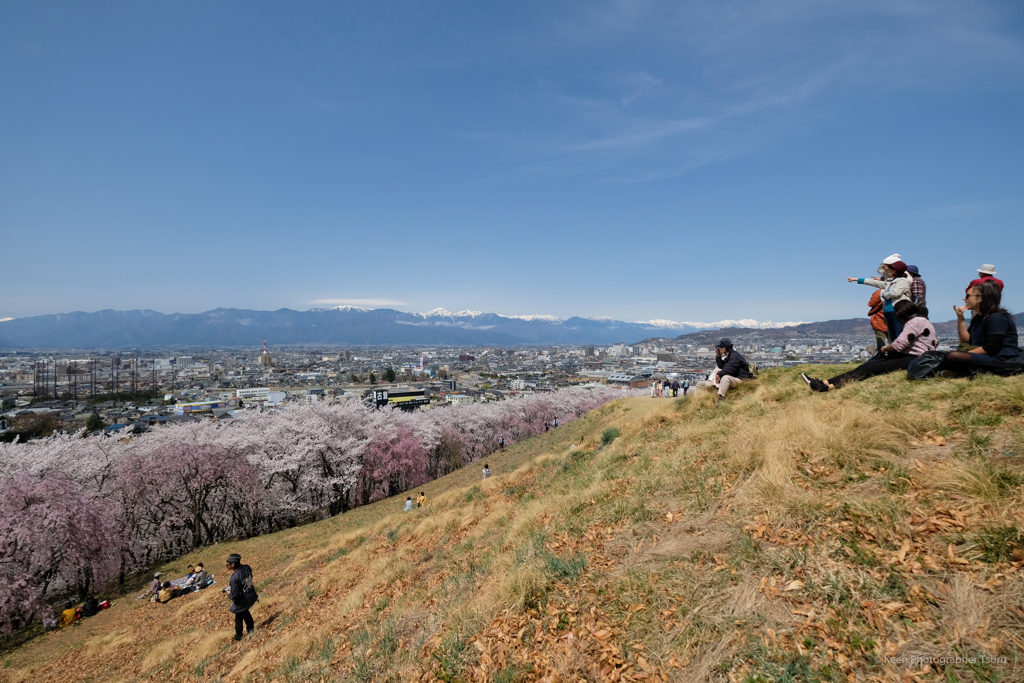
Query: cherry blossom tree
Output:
(53,535)
(125,502)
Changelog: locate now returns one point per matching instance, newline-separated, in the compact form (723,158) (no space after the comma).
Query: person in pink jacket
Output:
(917,337)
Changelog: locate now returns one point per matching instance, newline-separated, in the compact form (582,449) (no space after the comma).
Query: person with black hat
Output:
(732,368)
(242,593)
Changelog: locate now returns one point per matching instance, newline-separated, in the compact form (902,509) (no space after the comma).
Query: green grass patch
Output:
(565,569)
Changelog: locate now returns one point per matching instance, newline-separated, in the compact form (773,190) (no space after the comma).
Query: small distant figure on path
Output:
(501,442)
(556,423)
(242,593)
(408,504)
(421,500)
(487,470)
(686,386)
(675,388)
(654,388)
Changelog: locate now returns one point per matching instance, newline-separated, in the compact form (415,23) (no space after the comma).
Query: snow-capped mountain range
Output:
(667,324)
(348,325)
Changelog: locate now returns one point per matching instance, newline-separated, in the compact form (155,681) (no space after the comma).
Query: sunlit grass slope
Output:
(787,536)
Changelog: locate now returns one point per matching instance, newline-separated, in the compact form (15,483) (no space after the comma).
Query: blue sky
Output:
(682,160)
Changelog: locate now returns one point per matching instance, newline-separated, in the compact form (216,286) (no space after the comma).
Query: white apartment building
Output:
(254,394)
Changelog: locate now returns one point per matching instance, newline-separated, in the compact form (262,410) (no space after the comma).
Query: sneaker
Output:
(238,638)
(807,379)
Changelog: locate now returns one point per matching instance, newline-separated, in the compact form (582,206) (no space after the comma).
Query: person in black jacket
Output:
(242,593)
(732,367)
(991,340)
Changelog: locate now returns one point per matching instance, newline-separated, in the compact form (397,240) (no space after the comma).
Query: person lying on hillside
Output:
(91,608)
(991,336)
(918,337)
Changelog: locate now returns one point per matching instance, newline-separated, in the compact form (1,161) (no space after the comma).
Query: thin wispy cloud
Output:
(359,302)
(757,69)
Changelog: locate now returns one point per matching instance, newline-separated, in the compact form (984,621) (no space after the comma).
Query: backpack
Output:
(926,365)
(752,367)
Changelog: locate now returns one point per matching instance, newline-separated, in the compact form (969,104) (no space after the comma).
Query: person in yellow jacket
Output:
(69,616)
(166,593)
(422,500)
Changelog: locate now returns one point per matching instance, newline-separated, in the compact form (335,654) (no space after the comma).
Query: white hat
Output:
(987,268)
(892,259)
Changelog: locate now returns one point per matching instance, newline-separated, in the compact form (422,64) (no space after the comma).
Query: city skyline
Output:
(639,161)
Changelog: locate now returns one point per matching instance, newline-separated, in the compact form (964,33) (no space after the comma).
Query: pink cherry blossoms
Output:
(76,512)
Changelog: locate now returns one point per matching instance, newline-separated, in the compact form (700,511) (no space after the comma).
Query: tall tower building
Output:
(265,359)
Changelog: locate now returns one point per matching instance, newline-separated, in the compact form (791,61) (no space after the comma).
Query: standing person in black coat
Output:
(242,593)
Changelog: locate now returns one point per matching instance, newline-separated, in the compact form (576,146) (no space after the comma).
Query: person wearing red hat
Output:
(895,287)
(987,273)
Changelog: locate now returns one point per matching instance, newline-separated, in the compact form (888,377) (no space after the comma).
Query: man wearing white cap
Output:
(986,273)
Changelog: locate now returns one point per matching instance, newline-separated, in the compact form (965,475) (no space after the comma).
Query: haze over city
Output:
(680,161)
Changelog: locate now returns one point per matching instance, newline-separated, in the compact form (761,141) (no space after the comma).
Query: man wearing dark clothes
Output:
(242,593)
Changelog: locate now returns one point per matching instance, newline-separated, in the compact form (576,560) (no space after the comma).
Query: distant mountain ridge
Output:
(343,325)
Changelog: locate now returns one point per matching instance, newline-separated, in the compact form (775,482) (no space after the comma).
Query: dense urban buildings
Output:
(138,390)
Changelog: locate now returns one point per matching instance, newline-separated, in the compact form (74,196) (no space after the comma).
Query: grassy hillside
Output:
(787,536)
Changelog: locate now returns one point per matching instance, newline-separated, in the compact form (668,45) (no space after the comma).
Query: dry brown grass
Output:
(808,533)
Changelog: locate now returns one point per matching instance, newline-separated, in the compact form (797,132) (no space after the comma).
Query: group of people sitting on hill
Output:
(164,591)
(905,337)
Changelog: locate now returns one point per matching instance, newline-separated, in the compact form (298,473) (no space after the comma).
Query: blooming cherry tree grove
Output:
(76,511)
